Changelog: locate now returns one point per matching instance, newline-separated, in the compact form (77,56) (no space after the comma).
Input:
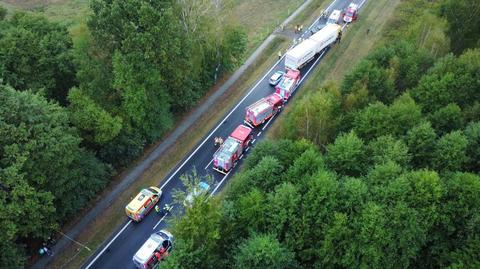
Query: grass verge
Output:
(355,45)
(101,228)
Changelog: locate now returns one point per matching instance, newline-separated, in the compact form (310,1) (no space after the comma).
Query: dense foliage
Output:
(381,171)
(69,113)
(45,175)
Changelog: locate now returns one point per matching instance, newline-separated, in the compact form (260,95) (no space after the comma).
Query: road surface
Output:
(118,250)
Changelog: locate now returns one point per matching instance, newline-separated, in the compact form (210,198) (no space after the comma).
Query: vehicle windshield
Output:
(349,13)
(276,76)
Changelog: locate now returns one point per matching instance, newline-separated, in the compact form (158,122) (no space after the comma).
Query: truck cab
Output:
(288,84)
(230,151)
(351,13)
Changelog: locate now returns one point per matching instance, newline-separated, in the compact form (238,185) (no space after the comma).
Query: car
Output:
(351,14)
(203,187)
(145,200)
(159,244)
(276,77)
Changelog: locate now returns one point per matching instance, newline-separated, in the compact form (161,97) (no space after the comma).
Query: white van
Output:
(157,247)
(334,17)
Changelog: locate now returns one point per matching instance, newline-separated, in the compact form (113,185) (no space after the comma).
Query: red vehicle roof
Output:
(241,133)
(293,74)
(274,99)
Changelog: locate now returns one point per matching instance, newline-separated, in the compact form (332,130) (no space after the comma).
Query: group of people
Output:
(160,254)
(218,141)
(45,250)
(165,210)
(298,28)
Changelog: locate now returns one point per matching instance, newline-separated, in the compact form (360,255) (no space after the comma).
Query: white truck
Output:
(297,57)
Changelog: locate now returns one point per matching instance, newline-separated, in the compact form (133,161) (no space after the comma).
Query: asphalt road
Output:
(117,251)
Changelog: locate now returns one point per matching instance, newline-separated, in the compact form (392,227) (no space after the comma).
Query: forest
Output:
(73,115)
(379,170)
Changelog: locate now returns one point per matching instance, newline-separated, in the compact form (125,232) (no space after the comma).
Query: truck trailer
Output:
(304,52)
(262,110)
(230,151)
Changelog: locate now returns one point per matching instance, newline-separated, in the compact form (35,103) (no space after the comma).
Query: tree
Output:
(373,121)
(234,46)
(38,133)
(447,119)
(450,80)
(316,116)
(378,81)
(347,155)
(462,19)
(37,55)
(458,235)
(197,236)
(307,164)
(472,132)
(285,151)
(282,211)
(370,237)
(405,114)
(386,148)
(263,252)
(3,13)
(450,152)
(98,125)
(421,141)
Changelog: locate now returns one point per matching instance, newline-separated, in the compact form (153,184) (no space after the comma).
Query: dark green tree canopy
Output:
(37,55)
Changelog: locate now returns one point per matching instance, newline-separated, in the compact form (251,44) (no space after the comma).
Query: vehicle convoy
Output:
(288,84)
(304,52)
(154,250)
(351,14)
(262,110)
(232,148)
(143,203)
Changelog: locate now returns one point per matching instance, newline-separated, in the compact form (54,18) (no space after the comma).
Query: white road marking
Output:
(208,164)
(268,122)
(241,157)
(220,183)
(208,137)
(109,243)
(253,141)
(247,149)
(164,216)
(193,153)
(259,133)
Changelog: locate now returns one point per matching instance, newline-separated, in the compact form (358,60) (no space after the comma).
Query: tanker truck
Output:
(304,52)
(230,151)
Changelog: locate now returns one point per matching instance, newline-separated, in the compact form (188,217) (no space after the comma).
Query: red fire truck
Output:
(263,110)
(230,151)
(288,84)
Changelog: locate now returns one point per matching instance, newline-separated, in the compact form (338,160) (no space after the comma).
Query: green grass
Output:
(258,17)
